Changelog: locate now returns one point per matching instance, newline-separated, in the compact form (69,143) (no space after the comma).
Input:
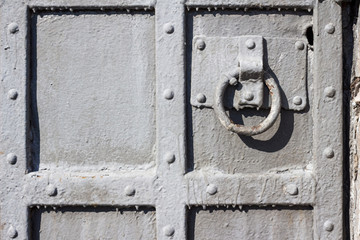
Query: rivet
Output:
(168,28)
(11,158)
(233,81)
(169,157)
(329,92)
(250,44)
(248,96)
(299,45)
(330,28)
(168,230)
(297,100)
(211,189)
(201,98)
(328,152)
(292,189)
(200,44)
(168,94)
(130,191)
(328,226)
(51,190)
(12,94)
(12,232)
(13,28)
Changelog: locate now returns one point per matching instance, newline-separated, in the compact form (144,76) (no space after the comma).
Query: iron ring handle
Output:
(241,129)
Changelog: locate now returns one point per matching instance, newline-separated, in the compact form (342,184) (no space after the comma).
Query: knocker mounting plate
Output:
(284,60)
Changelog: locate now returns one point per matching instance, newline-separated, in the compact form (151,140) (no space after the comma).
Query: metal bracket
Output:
(251,74)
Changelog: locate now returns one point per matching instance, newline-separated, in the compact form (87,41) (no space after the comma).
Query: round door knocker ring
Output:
(241,129)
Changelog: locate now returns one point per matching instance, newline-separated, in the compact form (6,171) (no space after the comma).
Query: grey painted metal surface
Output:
(99,125)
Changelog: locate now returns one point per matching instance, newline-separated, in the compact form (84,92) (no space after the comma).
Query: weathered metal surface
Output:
(285,59)
(239,128)
(85,90)
(88,223)
(116,129)
(254,223)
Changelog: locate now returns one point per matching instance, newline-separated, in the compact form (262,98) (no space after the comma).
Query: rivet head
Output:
(169,157)
(168,94)
(297,100)
(211,189)
(329,92)
(248,96)
(11,158)
(12,94)
(12,232)
(299,45)
(201,98)
(233,81)
(328,152)
(330,28)
(292,189)
(328,226)
(51,190)
(200,44)
(13,28)
(168,230)
(130,191)
(250,44)
(168,28)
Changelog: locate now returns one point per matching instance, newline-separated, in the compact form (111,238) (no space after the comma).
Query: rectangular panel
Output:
(93,89)
(251,223)
(92,223)
(287,144)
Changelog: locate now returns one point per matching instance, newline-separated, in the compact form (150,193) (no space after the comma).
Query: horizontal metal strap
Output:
(106,189)
(207,188)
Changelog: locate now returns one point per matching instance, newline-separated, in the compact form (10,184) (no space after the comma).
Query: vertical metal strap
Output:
(170,204)
(328,120)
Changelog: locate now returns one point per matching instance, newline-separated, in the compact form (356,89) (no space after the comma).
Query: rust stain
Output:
(1,152)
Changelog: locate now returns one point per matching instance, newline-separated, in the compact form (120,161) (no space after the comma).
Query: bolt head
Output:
(297,100)
(249,96)
(169,157)
(11,158)
(211,189)
(12,232)
(129,191)
(168,94)
(13,28)
(12,94)
(201,98)
(233,81)
(299,45)
(200,44)
(330,28)
(328,226)
(51,190)
(168,231)
(168,28)
(250,44)
(329,92)
(292,189)
(329,152)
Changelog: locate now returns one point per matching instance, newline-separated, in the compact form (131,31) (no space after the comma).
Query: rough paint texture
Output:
(280,224)
(90,223)
(93,98)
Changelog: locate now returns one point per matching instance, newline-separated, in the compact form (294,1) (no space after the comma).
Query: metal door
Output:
(168,119)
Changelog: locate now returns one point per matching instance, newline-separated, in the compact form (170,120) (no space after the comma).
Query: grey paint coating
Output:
(86,90)
(211,167)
